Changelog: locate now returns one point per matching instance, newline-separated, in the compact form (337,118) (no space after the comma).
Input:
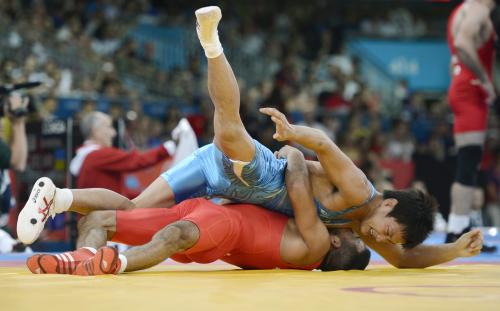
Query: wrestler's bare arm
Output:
(423,256)
(350,181)
(312,230)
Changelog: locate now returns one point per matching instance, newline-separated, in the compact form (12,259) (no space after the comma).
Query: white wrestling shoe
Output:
(37,210)
(207,20)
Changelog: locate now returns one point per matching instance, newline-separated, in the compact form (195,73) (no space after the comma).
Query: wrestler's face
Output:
(381,227)
(104,132)
(347,251)
(343,237)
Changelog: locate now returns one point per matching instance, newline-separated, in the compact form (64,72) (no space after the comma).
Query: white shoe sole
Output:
(207,19)
(37,210)
(208,11)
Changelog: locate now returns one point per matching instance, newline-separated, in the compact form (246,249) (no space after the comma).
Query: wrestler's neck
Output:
(364,212)
(370,208)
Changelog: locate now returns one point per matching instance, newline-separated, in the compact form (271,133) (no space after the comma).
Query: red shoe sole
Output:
(105,261)
(44,264)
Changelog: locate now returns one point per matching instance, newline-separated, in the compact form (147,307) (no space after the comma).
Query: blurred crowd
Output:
(291,58)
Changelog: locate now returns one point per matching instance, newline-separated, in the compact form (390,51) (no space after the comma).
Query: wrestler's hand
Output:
(488,88)
(285,151)
(470,243)
(284,130)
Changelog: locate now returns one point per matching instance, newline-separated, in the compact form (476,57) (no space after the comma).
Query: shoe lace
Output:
(48,210)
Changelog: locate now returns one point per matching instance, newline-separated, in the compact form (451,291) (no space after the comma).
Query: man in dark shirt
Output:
(13,155)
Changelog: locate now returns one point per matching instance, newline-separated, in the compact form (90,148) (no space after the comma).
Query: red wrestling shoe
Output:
(64,263)
(105,261)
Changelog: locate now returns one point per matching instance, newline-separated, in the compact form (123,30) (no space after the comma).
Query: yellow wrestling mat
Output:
(219,287)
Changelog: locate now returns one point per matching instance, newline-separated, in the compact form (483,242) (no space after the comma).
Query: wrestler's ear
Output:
(335,241)
(390,203)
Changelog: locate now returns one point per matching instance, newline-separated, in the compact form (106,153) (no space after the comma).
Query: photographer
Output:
(13,155)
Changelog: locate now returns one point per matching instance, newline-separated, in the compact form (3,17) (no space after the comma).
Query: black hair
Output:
(415,212)
(347,257)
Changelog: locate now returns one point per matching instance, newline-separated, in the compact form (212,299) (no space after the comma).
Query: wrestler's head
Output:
(347,252)
(98,127)
(403,217)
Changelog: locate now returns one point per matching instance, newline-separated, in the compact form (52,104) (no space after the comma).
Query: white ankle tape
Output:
(213,50)
(123,263)
(63,200)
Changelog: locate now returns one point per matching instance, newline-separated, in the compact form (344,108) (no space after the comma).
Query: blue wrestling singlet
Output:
(208,172)
(334,217)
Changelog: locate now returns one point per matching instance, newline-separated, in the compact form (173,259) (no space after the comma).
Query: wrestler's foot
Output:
(45,200)
(37,210)
(64,263)
(105,261)
(207,20)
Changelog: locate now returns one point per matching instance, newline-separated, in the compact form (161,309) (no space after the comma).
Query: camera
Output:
(7,89)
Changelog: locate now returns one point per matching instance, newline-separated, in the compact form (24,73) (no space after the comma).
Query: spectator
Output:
(12,156)
(98,165)
(303,68)
(400,146)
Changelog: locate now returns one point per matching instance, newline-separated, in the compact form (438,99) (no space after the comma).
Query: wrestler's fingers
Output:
(273,112)
(278,122)
(475,244)
(476,252)
(269,111)
(474,234)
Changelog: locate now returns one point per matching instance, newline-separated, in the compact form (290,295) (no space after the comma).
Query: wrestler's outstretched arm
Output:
(340,170)
(313,231)
(423,256)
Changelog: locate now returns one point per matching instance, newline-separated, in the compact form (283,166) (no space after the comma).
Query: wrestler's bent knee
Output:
(98,219)
(183,234)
